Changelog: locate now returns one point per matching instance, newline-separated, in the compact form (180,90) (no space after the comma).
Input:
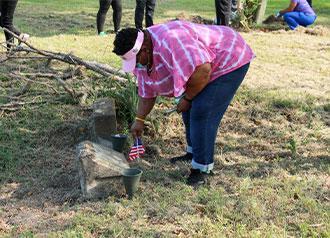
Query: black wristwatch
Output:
(188,100)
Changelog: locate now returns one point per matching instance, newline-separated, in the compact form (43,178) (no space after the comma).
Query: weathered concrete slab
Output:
(104,121)
(99,169)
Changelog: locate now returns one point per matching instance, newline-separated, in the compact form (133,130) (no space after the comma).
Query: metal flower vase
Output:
(118,142)
(131,179)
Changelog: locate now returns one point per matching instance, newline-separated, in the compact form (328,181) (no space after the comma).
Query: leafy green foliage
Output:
(250,10)
(292,146)
(246,16)
(126,99)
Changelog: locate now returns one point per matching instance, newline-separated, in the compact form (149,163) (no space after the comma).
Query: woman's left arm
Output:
(290,8)
(196,83)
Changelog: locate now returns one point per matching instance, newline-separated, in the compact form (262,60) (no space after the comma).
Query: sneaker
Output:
(185,158)
(197,178)
(112,32)
(102,34)
(24,37)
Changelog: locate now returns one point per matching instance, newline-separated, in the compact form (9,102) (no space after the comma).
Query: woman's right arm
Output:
(144,108)
(290,8)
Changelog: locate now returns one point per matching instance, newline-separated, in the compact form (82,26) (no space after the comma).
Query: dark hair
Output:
(125,40)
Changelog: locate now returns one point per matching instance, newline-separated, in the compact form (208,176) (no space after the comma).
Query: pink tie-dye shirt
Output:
(180,46)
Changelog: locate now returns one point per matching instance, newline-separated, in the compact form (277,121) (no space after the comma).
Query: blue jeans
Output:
(298,18)
(204,117)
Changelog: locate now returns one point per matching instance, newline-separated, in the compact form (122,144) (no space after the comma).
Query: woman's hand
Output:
(144,107)
(137,129)
(183,105)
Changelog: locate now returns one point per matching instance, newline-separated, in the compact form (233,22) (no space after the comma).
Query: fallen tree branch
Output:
(26,57)
(10,97)
(71,91)
(65,75)
(12,105)
(99,68)
(109,69)
(42,83)
(25,89)
(41,75)
(78,96)
(26,43)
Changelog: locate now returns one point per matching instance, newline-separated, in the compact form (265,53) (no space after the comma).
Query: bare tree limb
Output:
(72,73)
(25,89)
(72,92)
(99,68)
(30,78)
(109,69)
(41,75)
(9,97)
(26,57)
(42,83)
(18,104)
(26,43)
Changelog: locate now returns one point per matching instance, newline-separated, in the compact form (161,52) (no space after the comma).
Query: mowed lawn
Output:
(272,156)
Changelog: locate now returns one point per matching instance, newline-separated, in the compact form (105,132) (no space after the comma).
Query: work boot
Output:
(185,158)
(198,178)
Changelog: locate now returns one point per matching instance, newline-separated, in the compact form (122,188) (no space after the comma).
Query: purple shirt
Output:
(180,46)
(303,6)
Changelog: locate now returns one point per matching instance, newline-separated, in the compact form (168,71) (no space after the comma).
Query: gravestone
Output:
(104,121)
(99,169)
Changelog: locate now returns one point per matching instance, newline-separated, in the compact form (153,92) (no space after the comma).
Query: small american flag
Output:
(137,149)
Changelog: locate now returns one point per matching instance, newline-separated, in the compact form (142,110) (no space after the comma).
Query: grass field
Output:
(272,158)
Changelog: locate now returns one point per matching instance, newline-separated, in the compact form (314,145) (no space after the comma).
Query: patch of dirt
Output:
(271,19)
(194,18)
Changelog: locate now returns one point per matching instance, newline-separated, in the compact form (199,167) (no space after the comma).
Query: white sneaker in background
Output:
(24,38)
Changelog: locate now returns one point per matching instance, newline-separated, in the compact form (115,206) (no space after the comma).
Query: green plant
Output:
(292,146)
(246,15)
(250,9)
(126,98)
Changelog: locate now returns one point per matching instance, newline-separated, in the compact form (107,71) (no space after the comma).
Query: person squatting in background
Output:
(223,10)
(7,10)
(149,7)
(101,15)
(202,64)
(298,13)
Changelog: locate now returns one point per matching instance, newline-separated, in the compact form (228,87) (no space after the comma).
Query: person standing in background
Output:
(149,6)
(101,15)
(234,5)
(7,10)
(223,9)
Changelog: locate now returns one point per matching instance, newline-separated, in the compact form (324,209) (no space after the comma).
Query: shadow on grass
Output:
(45,165)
